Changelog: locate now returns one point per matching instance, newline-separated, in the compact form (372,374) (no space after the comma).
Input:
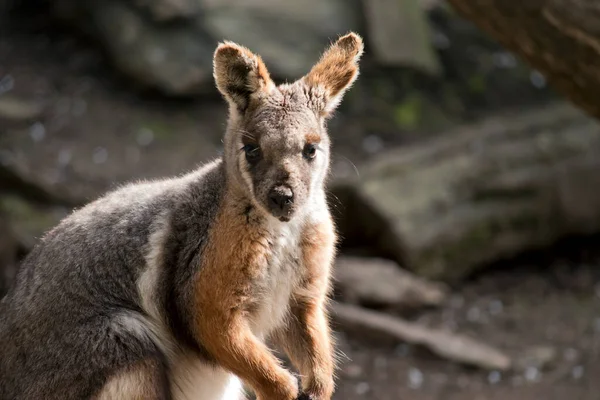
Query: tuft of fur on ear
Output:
(240,75)
(337,70)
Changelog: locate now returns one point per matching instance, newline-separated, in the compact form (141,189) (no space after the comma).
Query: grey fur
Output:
(60,335)
(76,315)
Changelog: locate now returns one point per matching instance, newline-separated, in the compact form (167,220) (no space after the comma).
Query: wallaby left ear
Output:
(240,75)
(336,71)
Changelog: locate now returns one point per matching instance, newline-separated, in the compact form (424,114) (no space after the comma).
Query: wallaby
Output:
(176,288)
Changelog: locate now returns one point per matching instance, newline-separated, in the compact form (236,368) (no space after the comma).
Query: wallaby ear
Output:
(240,75)
(336,71)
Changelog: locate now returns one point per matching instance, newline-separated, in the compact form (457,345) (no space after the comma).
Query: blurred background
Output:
(466,190)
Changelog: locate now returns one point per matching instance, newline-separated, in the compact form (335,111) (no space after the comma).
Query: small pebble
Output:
(537,79)
(100,155)
(37,132)
(571,354)
(145,137)
(494,377)
(415,378)
(362,388)
(7,83)
(504,60)
(533,374)
(496,307)
(577,372)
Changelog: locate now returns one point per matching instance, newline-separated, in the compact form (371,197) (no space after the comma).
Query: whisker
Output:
(351,163)
(247,134)
(337,203)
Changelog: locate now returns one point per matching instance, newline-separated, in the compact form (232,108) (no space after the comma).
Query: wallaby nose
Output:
(281,199)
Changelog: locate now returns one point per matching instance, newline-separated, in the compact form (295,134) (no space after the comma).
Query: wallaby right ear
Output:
(336,71)
(240,75)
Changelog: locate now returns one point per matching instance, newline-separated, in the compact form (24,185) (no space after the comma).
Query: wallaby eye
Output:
(253,154)
(310,151)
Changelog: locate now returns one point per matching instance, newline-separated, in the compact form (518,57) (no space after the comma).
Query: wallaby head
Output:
(276,144)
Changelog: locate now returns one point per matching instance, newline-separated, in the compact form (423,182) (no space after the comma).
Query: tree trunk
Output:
(480,194)
(560,38)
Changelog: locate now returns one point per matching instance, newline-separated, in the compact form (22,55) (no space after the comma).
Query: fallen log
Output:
(483,193)
(382,283)
(445,344)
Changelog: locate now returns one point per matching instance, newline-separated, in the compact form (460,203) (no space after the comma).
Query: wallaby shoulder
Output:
(112,232)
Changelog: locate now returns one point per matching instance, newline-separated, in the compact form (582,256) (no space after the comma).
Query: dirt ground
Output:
(550,300)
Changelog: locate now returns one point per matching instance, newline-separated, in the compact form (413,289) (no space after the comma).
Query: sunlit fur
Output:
(169,289)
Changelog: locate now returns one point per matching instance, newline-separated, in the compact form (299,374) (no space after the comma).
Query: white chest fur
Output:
(281,277)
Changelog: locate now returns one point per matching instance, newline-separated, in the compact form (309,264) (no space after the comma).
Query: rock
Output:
(383,283)
(482,193)
(400,34)
(176,56)
(289,36)
(168,45)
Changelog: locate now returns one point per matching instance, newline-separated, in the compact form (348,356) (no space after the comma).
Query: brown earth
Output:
(551,300)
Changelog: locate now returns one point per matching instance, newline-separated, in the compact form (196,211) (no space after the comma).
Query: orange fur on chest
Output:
(236,255)
(236,262)
(245,287)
